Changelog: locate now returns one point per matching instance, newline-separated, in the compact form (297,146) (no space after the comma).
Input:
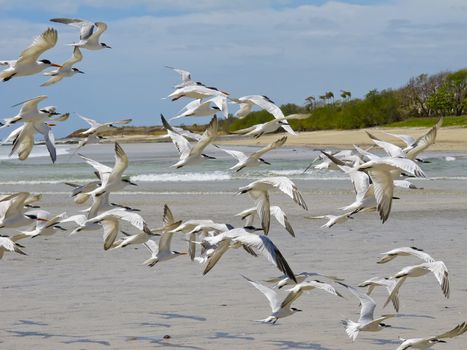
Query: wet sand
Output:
(68,293)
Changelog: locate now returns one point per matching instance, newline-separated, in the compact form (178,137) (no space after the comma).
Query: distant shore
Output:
(448,139)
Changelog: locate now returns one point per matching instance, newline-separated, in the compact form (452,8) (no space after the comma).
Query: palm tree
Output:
(329,95)
(346,94)
(310,103)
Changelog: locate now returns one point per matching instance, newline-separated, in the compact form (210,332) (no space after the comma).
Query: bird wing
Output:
(41,43)
(424,141)
(101,28)
(167,218)
(239,156)
(16,203)
(280,216)
(75,58)
(286,185)
(92,122)
(152,246)
(265,247)
(391,149)
(408,140)
(86,27)
(263,209)
(121,162)
(24,141)
(368,305)
(184,75)
(440,271)
(165,240)
(103,170)
(383,187)
(244,110)
(30,106)
(49,138)
(133,218)
(55,79)
(222,247)
(456,331)
(276,144)
(208,136)
(110,226)
(180,142)
(122,122)
(265,103)
(270,294)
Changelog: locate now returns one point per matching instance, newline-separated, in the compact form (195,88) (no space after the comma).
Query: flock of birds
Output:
(373,177)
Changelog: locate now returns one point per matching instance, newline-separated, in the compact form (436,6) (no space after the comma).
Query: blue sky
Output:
(285,49)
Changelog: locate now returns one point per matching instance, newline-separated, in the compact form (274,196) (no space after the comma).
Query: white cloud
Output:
(288,54)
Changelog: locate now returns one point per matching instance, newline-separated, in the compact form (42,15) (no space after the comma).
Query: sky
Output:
(285,49)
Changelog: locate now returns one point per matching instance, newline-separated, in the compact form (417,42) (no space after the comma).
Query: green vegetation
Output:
(428,122)
(419,103)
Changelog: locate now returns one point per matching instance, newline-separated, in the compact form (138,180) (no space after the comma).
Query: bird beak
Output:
(55,65)
(80,71)
(51,124)
(132,183)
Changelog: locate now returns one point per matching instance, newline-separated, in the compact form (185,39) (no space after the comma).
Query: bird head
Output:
(48,63)
(104,45)
(384,325)
(76,70)
(50,110)
(128,181)
(263,161)
(294,309)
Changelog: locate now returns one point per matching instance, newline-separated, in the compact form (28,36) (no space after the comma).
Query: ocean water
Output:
(150,167)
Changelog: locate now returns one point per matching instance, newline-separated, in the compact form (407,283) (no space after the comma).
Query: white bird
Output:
(23,137)
(428,342)
(196,91)
(98,127)
(28,63)
(405,251)
(8,244)
(185,76)
(66,70)
(252,243)
(271,126)
(258,191)
(254,159)
(46,227)
(111,178)
(30,112)
(250,214)
(388,283)
(283,280)
(200,108)
(144,236)
(366,322)
(438,268)
(12,211)
(89,35)
(281,309)
(191,154)
(110,222)
(379,171)
(332,219)
(162,252)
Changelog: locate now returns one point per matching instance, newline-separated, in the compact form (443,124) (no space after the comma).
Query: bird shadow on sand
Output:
(87,341)
(154,324)
(46,335)
(284,344)
(415,316)
(172,315)
(380,341)
(31,323)
(161,342)
(226,335)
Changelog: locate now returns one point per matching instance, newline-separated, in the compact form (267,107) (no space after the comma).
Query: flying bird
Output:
(66,70)
(28,63)
(89,34)
(428,342)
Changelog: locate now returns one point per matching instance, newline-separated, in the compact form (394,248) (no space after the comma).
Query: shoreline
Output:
(448,139)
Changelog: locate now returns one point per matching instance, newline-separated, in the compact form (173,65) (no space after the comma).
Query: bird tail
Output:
(351,328)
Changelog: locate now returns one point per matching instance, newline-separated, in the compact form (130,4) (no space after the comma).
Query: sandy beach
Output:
(448,139)
(68,293)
